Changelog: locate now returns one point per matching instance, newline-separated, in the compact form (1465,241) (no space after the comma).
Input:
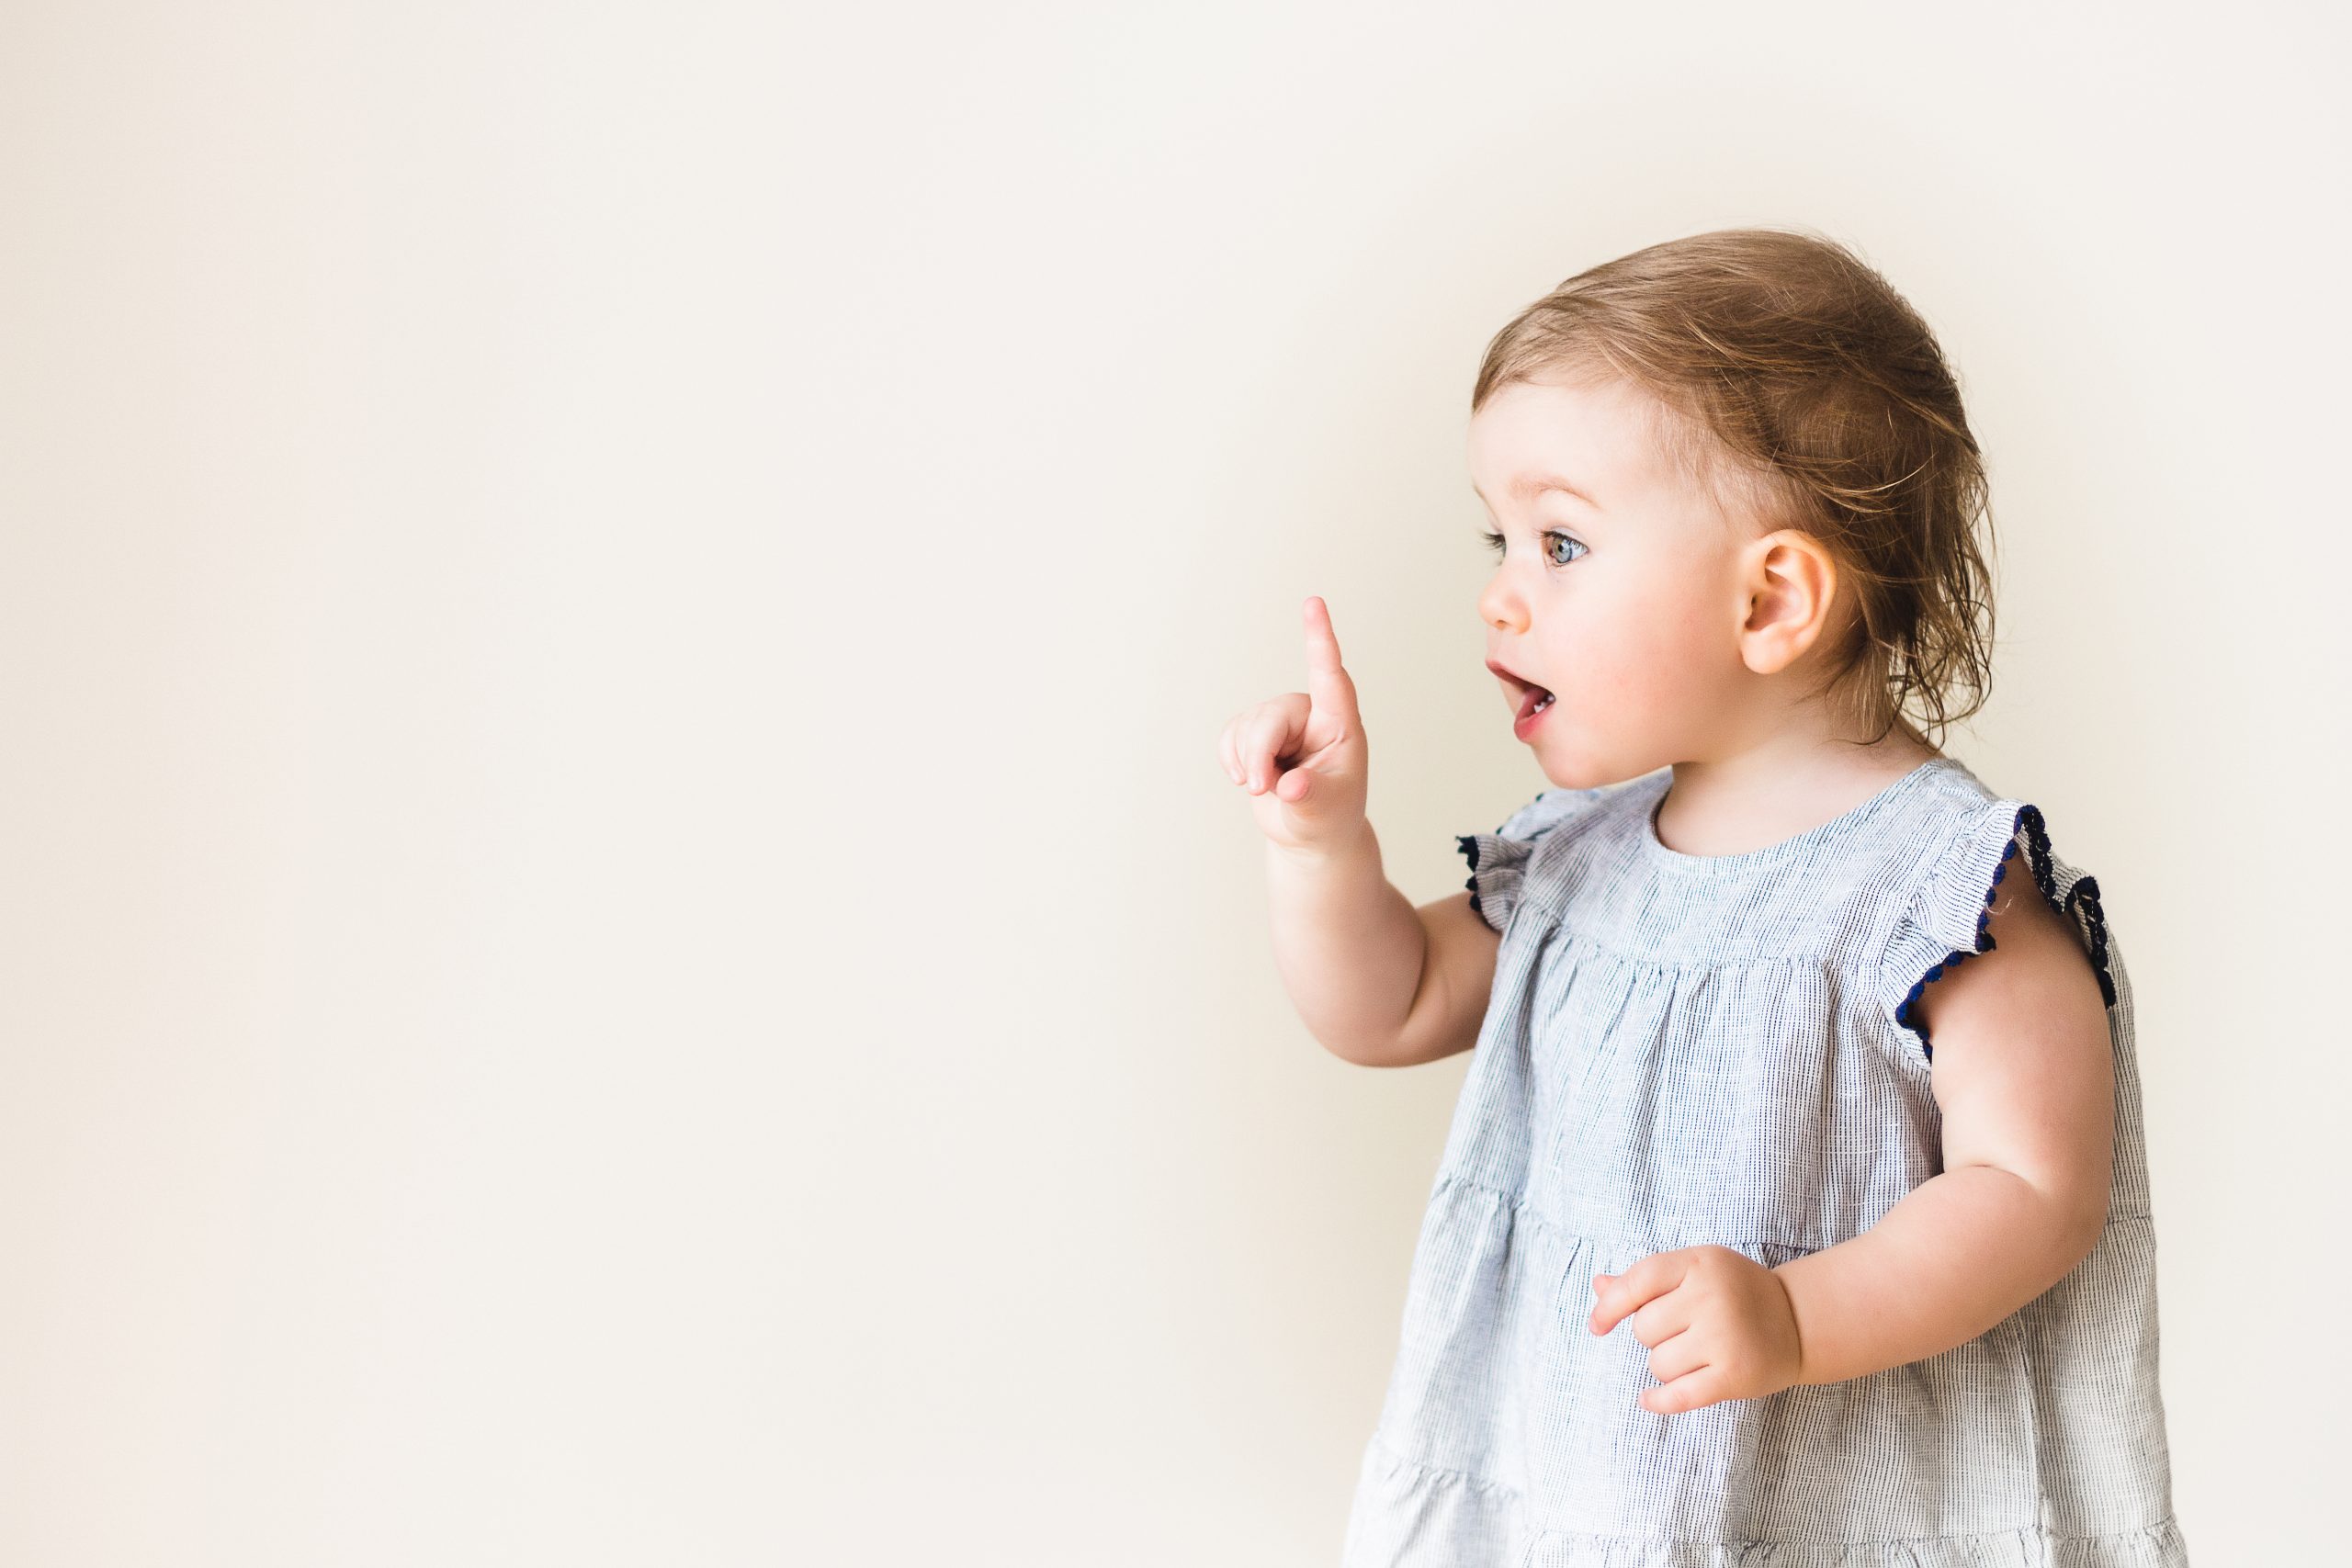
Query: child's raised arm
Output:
(1378,982)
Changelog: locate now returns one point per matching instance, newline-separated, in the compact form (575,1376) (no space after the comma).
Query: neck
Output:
(1738,801)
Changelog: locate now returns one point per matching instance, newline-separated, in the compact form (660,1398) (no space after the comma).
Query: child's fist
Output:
(1719,1324)
(1301,756)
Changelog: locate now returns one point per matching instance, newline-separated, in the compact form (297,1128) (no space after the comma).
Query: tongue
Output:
(1529,698)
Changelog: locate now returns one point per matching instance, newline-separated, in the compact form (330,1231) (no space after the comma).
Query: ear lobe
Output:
(1790,591)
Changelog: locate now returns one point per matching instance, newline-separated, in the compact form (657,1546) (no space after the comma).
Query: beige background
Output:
(623,941)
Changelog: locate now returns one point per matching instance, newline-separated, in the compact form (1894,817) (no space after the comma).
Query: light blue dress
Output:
(1684,1049)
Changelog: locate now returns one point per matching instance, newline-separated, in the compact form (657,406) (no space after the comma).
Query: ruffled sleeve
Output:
(1498,861)
(1950,918)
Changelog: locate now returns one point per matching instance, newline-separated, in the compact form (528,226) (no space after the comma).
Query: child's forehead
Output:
(1595,435)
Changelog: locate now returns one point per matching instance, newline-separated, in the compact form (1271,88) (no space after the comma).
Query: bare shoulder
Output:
(2023,1065)
(2036,961)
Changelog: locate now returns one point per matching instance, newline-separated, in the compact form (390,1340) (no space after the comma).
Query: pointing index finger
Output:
(1326,680)
(1322,643)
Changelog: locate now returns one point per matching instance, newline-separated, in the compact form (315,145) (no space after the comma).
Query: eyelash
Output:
(1495,543)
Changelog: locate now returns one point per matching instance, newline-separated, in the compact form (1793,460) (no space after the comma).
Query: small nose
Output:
(1499,606)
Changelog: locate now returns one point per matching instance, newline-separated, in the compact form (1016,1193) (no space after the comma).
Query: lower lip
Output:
(1526,726)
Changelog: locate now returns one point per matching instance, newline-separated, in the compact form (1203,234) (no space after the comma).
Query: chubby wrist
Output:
(1352,846)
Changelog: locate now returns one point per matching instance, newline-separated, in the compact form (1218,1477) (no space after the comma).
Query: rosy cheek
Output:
(1643,658)
(1675,619)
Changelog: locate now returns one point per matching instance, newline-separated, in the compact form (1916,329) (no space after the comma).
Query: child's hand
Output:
(1720,1326)
(1301,755)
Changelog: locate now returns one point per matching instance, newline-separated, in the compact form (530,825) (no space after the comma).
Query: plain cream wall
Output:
(623,941)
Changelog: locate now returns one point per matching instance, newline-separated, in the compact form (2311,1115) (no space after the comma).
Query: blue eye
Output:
(1495,543)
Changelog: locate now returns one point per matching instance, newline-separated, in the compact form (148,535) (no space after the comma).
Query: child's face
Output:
(1630,610)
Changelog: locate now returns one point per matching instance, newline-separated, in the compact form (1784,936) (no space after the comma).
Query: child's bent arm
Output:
(2023,1077)
(1379,983)
(1457,974)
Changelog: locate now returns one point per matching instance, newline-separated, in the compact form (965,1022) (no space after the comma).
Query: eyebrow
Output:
(1528,486)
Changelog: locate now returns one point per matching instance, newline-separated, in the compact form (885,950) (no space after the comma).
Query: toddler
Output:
(1766,1230)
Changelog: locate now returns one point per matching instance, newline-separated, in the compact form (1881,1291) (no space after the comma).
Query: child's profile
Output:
(1795,1203)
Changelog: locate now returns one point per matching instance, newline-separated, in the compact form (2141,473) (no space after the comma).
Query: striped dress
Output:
(1683,1049)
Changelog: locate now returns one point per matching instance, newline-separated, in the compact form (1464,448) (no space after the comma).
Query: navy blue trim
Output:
(2082,899)
(1468,844)
(1985,943)
(2082,904)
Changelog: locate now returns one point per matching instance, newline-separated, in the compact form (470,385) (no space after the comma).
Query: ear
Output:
(1790,584)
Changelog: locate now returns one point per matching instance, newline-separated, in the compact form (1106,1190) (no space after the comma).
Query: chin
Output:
(1586,773)
(1573,777)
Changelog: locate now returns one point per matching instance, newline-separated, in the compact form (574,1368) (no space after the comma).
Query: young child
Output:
(1723,1255)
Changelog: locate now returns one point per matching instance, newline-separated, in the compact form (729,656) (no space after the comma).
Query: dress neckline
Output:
(1655,852)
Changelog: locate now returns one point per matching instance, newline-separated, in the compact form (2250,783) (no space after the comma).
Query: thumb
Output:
(1293,786)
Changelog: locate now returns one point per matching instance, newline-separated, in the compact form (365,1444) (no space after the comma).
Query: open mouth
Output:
(1529,700)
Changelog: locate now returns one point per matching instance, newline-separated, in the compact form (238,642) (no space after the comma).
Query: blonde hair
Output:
(1797,386)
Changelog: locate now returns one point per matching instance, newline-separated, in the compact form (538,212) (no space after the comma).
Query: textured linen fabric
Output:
(1684,1049)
